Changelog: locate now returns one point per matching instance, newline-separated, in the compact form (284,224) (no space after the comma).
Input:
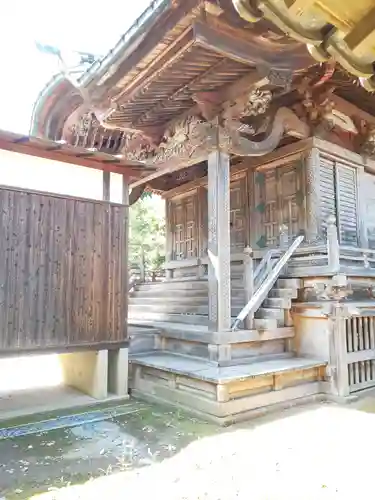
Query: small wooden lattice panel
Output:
(360,343)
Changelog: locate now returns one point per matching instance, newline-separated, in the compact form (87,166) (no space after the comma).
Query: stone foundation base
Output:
(97,373)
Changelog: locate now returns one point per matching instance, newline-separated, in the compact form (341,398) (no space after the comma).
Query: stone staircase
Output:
(223,376)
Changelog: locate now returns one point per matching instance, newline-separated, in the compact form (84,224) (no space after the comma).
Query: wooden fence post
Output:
(249,283)
(333,246)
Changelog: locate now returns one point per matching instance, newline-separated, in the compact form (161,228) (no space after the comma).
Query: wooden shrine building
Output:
(63,271)
(266,162)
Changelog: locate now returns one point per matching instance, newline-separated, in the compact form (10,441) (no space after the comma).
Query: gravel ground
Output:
(316,452)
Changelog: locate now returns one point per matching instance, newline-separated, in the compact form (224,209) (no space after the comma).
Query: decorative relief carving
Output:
(283,121)
(183,140)
(194,134)
(257,103)
(279,77)
(365,143)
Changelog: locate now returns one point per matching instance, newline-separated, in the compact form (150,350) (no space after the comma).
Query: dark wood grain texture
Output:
(61,283)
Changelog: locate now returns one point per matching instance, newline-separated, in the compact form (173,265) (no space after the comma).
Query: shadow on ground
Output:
(313,452)
(63,457)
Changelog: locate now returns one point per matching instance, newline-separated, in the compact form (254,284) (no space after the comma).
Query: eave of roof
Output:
(60,151)
(137,31)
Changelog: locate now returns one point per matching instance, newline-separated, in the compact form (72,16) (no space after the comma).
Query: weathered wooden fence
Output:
(63,272)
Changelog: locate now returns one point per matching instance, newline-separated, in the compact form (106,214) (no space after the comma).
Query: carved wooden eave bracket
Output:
(365,141)
(284,122)
(196,138)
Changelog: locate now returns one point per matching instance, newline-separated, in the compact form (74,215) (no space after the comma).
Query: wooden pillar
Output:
(169,236)
(312,206)
(125,257)
(106,186)
(333,246)
(202,221)
(219,282)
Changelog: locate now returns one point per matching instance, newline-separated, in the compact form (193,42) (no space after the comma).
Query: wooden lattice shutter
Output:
(327,191)
(346,193)
(338,197)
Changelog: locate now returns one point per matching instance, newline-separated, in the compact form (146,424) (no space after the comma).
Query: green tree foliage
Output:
(147,231)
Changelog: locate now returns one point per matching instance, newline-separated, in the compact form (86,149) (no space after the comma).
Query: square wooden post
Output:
(312,198)
(106,186)
(125,256)
(219,283)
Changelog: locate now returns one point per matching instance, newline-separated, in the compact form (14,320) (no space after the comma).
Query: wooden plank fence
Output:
(62,272)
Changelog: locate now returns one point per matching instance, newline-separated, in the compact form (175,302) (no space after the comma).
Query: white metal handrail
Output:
(264,288)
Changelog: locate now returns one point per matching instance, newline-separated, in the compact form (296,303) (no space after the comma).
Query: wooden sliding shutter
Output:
(338,197)
(346,190)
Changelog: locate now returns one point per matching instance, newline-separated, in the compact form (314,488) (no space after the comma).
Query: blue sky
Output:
(70,25)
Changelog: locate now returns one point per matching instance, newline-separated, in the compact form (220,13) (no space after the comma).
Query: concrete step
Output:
(287,293)
(277,303)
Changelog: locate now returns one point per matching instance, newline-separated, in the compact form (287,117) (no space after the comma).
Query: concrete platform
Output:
(14,404)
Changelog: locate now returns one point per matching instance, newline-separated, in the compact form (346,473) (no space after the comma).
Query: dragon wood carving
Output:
(194,136)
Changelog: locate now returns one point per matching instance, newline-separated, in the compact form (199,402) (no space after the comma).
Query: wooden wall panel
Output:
(61,271)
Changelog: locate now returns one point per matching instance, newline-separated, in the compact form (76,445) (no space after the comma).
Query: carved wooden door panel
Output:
(288,199)
(184,228)
(237,215)
(276,204)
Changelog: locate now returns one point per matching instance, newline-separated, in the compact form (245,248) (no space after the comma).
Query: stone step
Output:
(186,365)
(268,313)
(143,309)
(142,339)
(187,304)
(288,293)
(191,319)
(168,292)
(224,394)
(263,324)
(277,303)
(173,285)
(294,283)
(172,300)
